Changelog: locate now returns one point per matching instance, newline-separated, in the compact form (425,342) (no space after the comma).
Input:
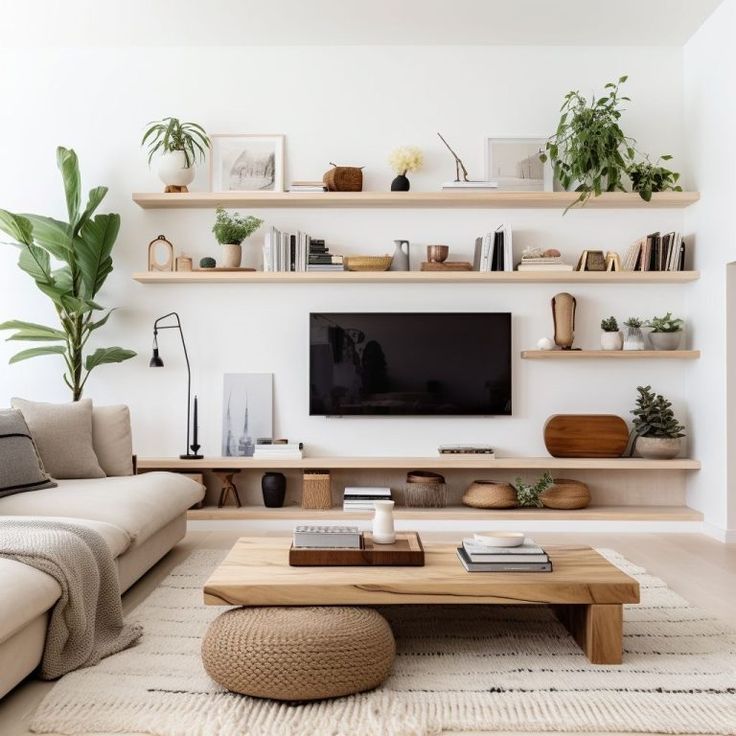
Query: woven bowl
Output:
(368,263)
(424,476)
(566,494)
(490,494)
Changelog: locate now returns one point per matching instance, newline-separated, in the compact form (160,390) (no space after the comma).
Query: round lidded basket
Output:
(490,494)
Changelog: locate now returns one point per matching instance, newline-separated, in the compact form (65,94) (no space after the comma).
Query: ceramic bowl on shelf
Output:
(368,263)
(499,539)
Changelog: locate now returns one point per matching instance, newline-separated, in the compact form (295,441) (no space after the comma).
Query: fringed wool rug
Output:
(457,668)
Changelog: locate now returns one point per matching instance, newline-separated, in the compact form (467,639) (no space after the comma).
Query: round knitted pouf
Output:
(300,653)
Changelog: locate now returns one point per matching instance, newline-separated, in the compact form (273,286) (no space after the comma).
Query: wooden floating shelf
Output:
(610,354)
(442,199)
(418,277)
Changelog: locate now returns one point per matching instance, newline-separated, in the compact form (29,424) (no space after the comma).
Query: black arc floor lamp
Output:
(156,362)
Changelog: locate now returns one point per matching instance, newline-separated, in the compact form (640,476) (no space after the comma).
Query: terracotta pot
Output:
(566,494)
(665,340)
(612,341)
(658,448)
(490,494)
(232,255)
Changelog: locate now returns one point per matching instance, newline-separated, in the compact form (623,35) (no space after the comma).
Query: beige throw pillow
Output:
(63,436)
(112,439)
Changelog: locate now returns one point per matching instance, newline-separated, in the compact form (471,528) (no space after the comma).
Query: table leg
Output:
(597,628)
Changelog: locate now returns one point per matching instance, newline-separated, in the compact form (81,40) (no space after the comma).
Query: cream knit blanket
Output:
(86,623)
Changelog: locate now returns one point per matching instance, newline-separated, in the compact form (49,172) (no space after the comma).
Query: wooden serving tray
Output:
(447,266)
(407,550)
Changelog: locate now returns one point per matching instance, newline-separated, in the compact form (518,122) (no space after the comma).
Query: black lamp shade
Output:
(156,361)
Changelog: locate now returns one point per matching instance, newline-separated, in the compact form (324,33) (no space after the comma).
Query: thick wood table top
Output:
(256,572)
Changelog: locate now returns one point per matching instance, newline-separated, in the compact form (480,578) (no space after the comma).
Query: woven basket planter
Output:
(425,495)
(316,490)
(490,494)
(566,494)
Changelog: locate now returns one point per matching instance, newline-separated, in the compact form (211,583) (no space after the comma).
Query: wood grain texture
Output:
(610,354)
(598,630)
(586,435)
(407,550)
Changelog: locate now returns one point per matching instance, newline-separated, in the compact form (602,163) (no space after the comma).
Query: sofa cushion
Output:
(63,435)
(21,468)
(138,504)
(112,439)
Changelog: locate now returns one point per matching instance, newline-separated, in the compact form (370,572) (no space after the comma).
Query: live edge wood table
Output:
(585,590)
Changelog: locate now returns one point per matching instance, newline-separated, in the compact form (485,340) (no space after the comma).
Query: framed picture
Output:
(247,163)
(247,412)
(515,164)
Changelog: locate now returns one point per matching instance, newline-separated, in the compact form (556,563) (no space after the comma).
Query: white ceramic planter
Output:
(173,170)
(383,523)
(665,340)
(232,255)
(634,339)
(612,341)
(658,448)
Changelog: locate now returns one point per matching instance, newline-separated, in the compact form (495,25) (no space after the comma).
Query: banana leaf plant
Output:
(80,250)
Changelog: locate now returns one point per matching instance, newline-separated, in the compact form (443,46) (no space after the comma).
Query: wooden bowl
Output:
(424,476)
(490,494)
(368,263)
(566,494)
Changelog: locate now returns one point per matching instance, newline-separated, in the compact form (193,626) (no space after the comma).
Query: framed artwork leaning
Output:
(241,162)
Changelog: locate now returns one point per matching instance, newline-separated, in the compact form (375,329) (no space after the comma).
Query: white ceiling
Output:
(350,22)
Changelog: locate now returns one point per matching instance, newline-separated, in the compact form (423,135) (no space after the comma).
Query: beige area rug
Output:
(458,668)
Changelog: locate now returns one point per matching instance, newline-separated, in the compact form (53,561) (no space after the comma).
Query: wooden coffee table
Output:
(585,590)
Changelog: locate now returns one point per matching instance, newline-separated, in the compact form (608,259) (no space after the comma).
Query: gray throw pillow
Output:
(63,435)
(21,468)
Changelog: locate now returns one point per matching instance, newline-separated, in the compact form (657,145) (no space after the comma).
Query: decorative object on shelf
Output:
(344,178)
(460,169)
(400,260)
(613,261)
(666,332)
(563,318)
(316,490)
(657,433)
(383,522)
(585,435)
(207,264)
(228,489)
(402,161)
(591,260)
(486,450)
(516,164)
(490,494)
(247,412)
(160,254)
(230,231)
(179,145)
(447,266)
(528,495)
(437,253)
(611,336)
(242,162)
(425,489)
(565,494)
(183,263)
(634,337)
(83,245)
(273,487)
(368,263)
(545,343)
(157,362)
(647,177)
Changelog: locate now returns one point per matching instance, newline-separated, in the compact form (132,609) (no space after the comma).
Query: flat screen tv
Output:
(410,364)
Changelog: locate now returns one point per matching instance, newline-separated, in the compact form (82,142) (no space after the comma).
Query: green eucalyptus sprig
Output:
(528,494)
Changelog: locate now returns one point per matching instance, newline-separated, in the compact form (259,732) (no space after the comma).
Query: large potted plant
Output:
(82,246)
(230,231)
(179,145)
(666,332)
(657,433)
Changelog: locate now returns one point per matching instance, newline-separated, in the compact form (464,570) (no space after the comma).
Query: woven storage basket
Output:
(316,490)
(566,494)
(425,495)
(368,263)
(490,494)
(344,179)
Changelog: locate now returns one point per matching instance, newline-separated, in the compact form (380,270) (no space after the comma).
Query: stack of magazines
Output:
(527,557)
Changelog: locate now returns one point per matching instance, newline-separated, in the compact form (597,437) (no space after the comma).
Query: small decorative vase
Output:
(383,523)
(612,340)
(634,339)
(400,184)
(273,486)
(232,255)
(563,317)
(400,260)
(665,340)
(657,448)
(174,172)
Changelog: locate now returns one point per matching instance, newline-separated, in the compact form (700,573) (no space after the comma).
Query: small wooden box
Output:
(407,551)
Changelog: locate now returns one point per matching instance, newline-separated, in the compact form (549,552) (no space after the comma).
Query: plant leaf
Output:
(17,226)
(108,355)
(32,331)
(94,246)
(53,235)
(68,165)
(35,352)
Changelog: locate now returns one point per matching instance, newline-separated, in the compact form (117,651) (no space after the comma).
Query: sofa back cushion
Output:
(63,435)
(21,468)
(112,439)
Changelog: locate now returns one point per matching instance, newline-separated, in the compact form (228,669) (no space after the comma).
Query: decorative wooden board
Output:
(586,435)
(447,266)
(406,550)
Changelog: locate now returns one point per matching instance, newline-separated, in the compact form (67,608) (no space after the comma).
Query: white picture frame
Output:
(509,161)
(247,162)
(247,412)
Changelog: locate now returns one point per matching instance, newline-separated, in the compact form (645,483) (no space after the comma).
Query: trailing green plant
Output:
(169,134)
(83,246)
(609,324)
(634,322)
(654,417)
(528,494)
(668,323)
(647,177)
(234,229)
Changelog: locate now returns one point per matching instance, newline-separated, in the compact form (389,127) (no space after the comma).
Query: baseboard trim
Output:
(727,536)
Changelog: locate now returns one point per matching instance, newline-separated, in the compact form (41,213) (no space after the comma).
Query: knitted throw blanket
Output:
(86,623)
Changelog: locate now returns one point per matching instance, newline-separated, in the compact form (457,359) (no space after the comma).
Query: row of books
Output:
(279,450)
(363,498)
(656,252)
(528,557)
(284,252)
(493,251)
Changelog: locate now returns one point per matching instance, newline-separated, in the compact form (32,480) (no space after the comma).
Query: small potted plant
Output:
(231,231)
(611,337)
(666,332)
(402,161)
(647,177)
(634,337)
(179,145)
(657,433)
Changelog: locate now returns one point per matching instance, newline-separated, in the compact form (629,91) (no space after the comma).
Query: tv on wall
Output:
(410,364)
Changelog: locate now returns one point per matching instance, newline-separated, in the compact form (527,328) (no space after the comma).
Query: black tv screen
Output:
(409,364)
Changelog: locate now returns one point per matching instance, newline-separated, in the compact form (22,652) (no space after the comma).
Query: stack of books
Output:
(363,498)
(279,450)
(544,263)
(310,536)
(656,252)
(285,251)
(493,251)
(485,450)
(307,186)
(320,258)
(528,557)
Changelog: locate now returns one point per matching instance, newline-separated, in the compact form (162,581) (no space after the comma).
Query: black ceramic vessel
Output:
(273,486)
(400,184)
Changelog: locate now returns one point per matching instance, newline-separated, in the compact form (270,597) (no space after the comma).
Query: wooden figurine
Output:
(160,246)
(563,316)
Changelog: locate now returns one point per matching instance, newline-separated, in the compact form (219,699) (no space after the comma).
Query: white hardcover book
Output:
(487,252)
(508,251)
(367,491)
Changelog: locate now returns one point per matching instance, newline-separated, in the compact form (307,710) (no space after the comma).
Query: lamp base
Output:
(190,456)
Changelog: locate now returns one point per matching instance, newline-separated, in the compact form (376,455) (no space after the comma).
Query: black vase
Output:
(400,184)
(273,486)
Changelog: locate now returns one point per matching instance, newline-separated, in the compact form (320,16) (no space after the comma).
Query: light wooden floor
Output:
(702,570)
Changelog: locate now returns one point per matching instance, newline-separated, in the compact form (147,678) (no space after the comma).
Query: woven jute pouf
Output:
(300,653)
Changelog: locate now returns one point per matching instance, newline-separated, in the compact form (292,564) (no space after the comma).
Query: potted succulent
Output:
(657,433)
(634,337)
(231,231)
(179,145)
(611,337)
(666,332)
(402,161)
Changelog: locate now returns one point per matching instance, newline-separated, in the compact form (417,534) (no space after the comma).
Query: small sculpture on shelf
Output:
(160,254)
(563,317)
(207,263)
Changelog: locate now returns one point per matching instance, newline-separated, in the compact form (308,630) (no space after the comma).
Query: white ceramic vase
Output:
(173,170)
(612,340)
(658,448)
(665,340)
(232,255)
(383,523)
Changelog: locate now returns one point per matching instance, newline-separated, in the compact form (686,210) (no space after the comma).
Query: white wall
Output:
(351,105)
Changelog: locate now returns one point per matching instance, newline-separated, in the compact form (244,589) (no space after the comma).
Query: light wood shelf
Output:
(416,277)
(610,354)
(439,200)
